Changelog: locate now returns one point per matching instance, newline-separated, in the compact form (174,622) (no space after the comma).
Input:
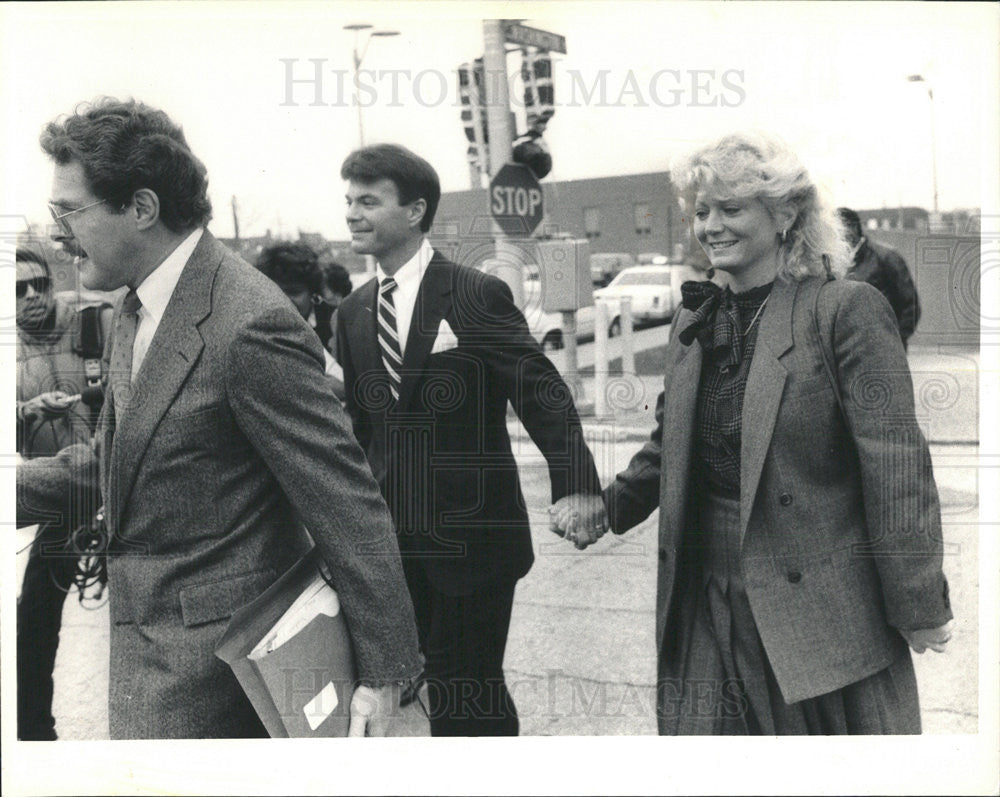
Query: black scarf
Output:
(716,323)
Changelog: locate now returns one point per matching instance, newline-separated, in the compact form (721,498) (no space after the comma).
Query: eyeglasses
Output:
(38,285)
(60,218)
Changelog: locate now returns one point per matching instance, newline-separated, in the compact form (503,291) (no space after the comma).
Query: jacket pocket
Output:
(218,600)
(808,386)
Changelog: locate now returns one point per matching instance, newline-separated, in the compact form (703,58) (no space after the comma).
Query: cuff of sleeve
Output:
(932,613)
(403,679)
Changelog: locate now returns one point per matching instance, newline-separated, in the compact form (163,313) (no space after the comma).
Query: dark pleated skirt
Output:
(721,682)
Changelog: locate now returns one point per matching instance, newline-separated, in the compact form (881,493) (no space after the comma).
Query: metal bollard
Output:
(571,373)
(600,359)
(627,344)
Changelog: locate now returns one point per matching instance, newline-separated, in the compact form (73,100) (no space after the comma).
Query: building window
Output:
(592,222)
(643,219)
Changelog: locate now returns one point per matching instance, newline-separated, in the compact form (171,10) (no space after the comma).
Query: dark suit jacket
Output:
(231,434)
(442,454)
(839,516)
(324,323)
(884,268)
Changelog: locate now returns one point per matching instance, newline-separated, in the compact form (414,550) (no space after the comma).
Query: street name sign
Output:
(516,33)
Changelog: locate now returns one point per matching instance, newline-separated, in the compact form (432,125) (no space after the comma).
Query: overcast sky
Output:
(639,83)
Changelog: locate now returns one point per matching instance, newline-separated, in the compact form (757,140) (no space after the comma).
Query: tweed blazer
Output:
(232,437)
(839,514)
(442,454)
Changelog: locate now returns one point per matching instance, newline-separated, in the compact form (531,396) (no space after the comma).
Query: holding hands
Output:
(581,519)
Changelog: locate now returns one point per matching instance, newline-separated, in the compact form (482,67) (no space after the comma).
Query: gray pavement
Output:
(580,656)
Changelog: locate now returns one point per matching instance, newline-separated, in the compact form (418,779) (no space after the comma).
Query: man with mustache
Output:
(219,438)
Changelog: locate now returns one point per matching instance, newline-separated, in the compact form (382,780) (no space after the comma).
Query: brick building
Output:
(634,213)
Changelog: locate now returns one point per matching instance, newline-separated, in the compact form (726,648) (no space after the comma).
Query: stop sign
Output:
(516,200)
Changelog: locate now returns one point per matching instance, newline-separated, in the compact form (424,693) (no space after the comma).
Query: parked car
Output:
(650,288)
(652,259)
(605,266)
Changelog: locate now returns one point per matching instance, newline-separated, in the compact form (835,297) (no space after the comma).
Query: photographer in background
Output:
(58,362)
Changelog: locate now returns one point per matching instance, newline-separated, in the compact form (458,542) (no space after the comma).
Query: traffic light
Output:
(539,92)
(472,94)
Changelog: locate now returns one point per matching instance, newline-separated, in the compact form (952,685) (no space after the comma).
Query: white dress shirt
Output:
(404,298)
(155,292)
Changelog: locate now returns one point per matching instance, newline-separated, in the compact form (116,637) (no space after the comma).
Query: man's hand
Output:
(933,638)
(45,406)
(372,710)
(581,519)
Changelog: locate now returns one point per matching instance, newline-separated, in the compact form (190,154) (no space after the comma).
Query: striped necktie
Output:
(121,354)
(388,337)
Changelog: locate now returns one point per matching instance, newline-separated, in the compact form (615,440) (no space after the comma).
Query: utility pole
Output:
(501,137)
(236,220)
(930,96)
(358,55)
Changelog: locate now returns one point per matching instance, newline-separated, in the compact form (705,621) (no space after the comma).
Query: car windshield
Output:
(642,278)
(607,259)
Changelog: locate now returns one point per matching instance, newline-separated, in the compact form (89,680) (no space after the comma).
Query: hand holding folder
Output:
(292,654)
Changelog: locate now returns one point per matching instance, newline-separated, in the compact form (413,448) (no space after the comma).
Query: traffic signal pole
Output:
(501,142)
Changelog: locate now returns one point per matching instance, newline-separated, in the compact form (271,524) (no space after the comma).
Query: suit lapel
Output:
(365,353)
(765,386)
(432,304)
(172,353)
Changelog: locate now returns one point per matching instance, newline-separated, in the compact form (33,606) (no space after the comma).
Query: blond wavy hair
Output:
(762,166)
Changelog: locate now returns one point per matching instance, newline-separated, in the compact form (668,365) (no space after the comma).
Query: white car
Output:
(650,288)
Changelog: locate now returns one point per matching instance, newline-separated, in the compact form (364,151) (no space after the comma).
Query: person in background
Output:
(885,269)
(800,547)
(51,376)
(294,267)
(336,284)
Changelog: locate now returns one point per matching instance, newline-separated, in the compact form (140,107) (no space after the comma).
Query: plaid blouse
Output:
(723,382)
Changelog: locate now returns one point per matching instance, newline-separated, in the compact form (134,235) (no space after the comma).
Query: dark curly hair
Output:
(414,177)
(338,279)
(287,263)
(123,146)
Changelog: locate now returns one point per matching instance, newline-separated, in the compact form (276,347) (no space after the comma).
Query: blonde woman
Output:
(799,528)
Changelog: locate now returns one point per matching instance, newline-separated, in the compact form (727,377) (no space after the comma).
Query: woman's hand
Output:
(581,519)
(933,638)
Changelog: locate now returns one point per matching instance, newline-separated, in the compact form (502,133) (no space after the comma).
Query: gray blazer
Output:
(232,435)
(839,517)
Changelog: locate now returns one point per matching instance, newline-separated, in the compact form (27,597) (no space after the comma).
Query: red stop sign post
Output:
(516,200)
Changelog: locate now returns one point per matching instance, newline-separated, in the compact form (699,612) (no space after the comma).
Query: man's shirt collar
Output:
(156,290)
(408,275)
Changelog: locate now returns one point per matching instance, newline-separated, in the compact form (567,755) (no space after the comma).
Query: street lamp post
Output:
(930,96)
(360,48)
